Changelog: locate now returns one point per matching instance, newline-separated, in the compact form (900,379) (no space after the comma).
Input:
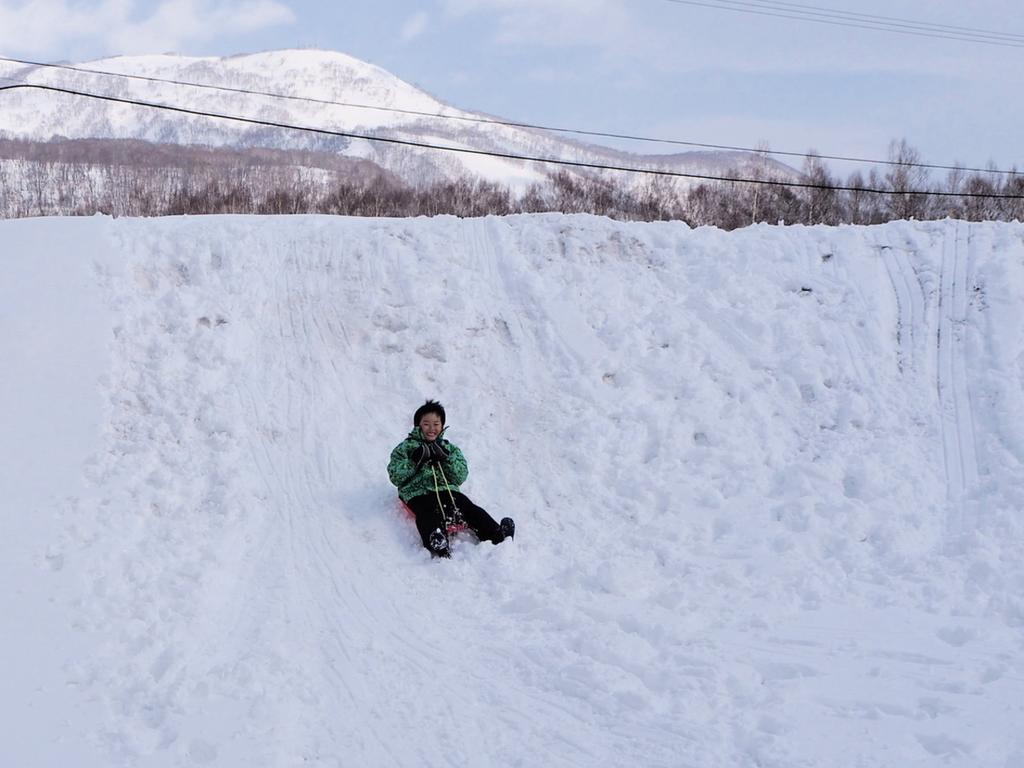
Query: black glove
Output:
(437,451)
(420,454)
(428,452)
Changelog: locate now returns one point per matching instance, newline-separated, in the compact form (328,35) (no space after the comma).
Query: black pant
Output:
(429,517)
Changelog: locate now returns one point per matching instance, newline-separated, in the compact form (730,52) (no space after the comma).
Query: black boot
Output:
(508,528)
(438,544)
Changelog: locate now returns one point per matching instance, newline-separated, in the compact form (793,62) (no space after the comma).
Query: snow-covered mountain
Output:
(320,76)
(768,487)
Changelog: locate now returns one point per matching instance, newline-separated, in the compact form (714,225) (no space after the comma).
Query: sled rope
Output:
(437,492)
(447,486)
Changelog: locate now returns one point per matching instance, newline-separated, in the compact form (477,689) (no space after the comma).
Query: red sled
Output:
(452,527)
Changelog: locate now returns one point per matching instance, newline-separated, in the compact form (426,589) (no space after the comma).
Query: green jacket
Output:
(428,479)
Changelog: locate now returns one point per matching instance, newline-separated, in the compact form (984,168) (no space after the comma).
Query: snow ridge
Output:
(767,488)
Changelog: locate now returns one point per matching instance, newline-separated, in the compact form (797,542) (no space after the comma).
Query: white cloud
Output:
(64,29)
(414,26)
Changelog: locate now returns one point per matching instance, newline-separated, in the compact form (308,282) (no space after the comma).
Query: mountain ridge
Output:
(370,100)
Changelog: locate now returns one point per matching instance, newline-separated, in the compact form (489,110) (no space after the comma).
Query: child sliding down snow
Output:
(428,470)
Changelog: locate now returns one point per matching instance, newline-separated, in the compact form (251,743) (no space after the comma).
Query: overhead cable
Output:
(860,21)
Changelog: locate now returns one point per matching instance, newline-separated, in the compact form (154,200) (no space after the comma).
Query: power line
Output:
(895,20)
(861,21)
(506,123)
(490,153)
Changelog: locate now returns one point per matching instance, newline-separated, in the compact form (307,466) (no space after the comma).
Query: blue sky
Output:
(649,67)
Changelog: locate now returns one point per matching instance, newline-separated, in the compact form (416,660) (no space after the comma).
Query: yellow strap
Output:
(447,487)
(437,492)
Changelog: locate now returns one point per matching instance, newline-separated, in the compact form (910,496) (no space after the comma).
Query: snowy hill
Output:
(768,485)
(321,76)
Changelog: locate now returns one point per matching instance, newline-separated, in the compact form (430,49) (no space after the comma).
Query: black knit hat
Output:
(431,406)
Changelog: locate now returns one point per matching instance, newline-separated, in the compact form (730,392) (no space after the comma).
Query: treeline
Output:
(38,182)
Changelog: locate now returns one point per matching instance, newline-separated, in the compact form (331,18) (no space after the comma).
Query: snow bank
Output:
(768,488)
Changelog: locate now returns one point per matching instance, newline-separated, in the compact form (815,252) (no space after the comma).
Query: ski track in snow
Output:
(945,320)
(954,395)
(734,459)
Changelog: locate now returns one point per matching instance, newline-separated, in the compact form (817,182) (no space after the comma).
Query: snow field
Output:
(767,486)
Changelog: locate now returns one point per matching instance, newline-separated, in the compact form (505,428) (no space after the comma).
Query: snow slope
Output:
(768,486)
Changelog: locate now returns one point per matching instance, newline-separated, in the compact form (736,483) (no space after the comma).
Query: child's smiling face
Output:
(431,426)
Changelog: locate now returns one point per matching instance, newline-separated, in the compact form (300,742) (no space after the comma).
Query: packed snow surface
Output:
(768,487)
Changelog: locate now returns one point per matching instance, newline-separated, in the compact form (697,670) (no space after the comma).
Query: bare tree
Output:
(980,208)
(819,202)
(759,172)
(657,199)
(1012,209)
(142,179)
(907,180)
